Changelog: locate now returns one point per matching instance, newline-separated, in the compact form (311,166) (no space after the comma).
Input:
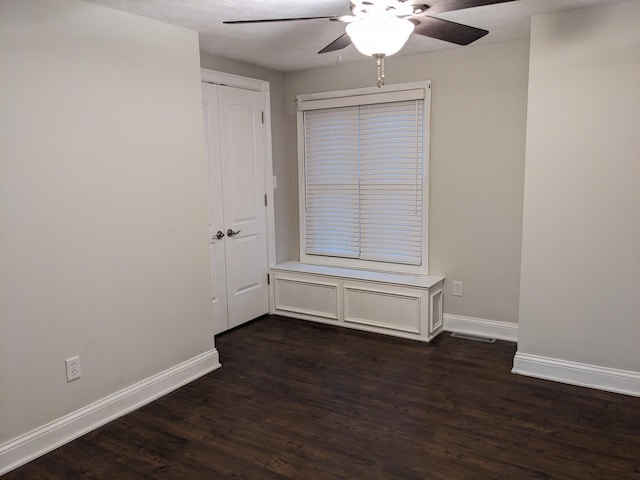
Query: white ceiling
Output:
(289,46)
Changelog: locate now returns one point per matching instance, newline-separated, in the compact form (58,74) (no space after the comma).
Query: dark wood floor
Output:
(299,400)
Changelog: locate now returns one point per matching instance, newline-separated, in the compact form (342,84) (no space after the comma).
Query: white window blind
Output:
(363,181)
(332,182)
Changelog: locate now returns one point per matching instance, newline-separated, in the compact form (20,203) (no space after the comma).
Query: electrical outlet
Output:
(457,288)
(73,368)
(275,182)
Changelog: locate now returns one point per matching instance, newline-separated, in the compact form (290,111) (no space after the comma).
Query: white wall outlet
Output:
(275,182)
(457,288)
(73,368)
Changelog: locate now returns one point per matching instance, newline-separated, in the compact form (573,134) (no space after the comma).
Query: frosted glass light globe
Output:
(380,34)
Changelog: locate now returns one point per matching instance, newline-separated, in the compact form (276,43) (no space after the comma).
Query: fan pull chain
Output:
(380,63)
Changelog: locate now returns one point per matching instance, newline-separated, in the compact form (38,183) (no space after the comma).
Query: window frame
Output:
(364,96)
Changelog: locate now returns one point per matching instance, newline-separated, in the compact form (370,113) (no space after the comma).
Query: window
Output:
(364,178)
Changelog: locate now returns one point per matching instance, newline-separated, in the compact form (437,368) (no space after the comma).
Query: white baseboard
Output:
(29,446)
(481,327)
(582,374)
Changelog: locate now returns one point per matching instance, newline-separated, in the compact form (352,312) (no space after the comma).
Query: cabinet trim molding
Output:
(281,284)
(380,294)
(379,302)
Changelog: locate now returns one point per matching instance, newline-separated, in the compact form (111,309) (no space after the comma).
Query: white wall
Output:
(103,221)
(579,296)
(479,98)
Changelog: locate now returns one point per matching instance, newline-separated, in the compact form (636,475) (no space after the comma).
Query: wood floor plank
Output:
(300,400)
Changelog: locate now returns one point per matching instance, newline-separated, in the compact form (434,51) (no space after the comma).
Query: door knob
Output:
(220,235)
(231,233)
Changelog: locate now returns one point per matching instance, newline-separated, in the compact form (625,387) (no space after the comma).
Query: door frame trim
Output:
(263,86)
(231,80)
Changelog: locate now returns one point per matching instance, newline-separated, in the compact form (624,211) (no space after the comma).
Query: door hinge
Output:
(262,117)
(268,279)
(265,199)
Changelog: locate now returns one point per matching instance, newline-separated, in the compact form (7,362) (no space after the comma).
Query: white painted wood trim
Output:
(333,287)
(390,88)
(230,80)
(481,327)
(411,297)
(403,280)
(31,445)
(346,281)
(574,373)
(355,326)
(271,219)
(436,319)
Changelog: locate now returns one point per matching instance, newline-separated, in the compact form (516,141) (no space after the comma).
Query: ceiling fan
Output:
(381,27)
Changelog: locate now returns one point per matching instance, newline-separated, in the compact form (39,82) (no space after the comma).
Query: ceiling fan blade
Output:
(272,20)
(338,44)
(446,30)
(440,6)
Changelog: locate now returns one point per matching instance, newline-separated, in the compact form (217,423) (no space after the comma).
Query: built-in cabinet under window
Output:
(408,306)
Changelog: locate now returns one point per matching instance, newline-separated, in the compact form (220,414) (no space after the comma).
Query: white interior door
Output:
(216,219)
(242,146)
(236,179)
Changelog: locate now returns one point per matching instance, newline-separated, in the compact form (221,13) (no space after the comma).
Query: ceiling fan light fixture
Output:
(380,34)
